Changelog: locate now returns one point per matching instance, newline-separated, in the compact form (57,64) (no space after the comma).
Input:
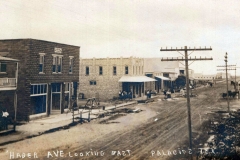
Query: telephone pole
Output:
(186,59)
(226,69)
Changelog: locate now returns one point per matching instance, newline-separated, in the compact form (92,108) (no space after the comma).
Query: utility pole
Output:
(226,68)
(236,88)
(186,59)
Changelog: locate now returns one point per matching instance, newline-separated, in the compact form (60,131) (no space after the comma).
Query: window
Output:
(41,62)
(165,74)
(126,69)
(56,87)
(93,82)
(3,67)
(87,70)
(54,64)
(38,89)
(70,64)
(57,64)
(100,70)
(114,70)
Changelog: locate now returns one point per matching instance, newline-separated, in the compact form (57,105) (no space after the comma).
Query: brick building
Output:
(8,88)
(47,78)
(104,77)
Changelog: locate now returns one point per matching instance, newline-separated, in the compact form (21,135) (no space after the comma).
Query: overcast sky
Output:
(130,27)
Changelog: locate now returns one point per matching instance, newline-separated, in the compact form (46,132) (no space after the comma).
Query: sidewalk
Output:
(53,123)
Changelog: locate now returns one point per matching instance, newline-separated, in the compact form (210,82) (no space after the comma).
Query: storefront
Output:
(136,84)
(163,82)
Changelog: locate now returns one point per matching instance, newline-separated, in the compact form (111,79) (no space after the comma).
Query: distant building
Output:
(47,78)
(200,76)
(164,72)
(222,75)
(104,77)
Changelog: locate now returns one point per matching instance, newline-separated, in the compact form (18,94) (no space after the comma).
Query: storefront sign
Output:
(58,50)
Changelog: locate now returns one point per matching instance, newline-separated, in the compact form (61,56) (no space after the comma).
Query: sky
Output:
(138,28)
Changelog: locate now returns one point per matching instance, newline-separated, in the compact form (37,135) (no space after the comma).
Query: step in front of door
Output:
(55,112)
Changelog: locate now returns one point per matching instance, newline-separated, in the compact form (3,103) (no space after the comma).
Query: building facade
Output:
(47,78)
(204,77)
(165,73)
(104,77)
(8,88)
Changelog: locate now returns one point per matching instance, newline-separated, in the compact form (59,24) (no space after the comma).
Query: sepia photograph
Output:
(119,80)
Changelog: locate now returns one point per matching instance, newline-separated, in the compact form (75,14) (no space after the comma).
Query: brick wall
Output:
(107,84)
(27,51)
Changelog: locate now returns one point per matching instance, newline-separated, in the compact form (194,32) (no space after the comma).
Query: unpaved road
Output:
(161,128)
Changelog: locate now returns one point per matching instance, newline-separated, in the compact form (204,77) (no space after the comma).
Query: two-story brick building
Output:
(8,88)
(105,77)
(47,78)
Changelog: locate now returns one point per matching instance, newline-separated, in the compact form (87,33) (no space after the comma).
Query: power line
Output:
(186,59)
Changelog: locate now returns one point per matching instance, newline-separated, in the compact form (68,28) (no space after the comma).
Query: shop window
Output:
(3,67)
(114,70)
(38,89)
(126,69)
(100,70)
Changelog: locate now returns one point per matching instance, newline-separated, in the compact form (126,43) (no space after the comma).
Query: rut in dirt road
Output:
(166,133)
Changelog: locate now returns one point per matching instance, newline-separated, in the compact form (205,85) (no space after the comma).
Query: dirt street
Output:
(161,128)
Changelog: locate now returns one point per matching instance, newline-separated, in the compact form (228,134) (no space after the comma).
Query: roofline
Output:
(38,40)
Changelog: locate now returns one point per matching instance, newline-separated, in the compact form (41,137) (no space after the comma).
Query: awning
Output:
(163,78)
(136,79)
(5,59)
(173,78)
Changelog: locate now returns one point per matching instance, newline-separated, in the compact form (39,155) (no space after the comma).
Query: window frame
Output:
(41,62)
(114,70)
(1,64)
(126,70)
(100,70)
(93,82)
(87,70)
(57,64)
(71,64)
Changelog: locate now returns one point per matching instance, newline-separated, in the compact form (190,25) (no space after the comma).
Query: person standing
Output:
(5,114)
(120,94)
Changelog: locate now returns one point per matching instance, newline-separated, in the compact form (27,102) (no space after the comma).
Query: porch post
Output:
(143,89)
(162,87)
(15,109)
